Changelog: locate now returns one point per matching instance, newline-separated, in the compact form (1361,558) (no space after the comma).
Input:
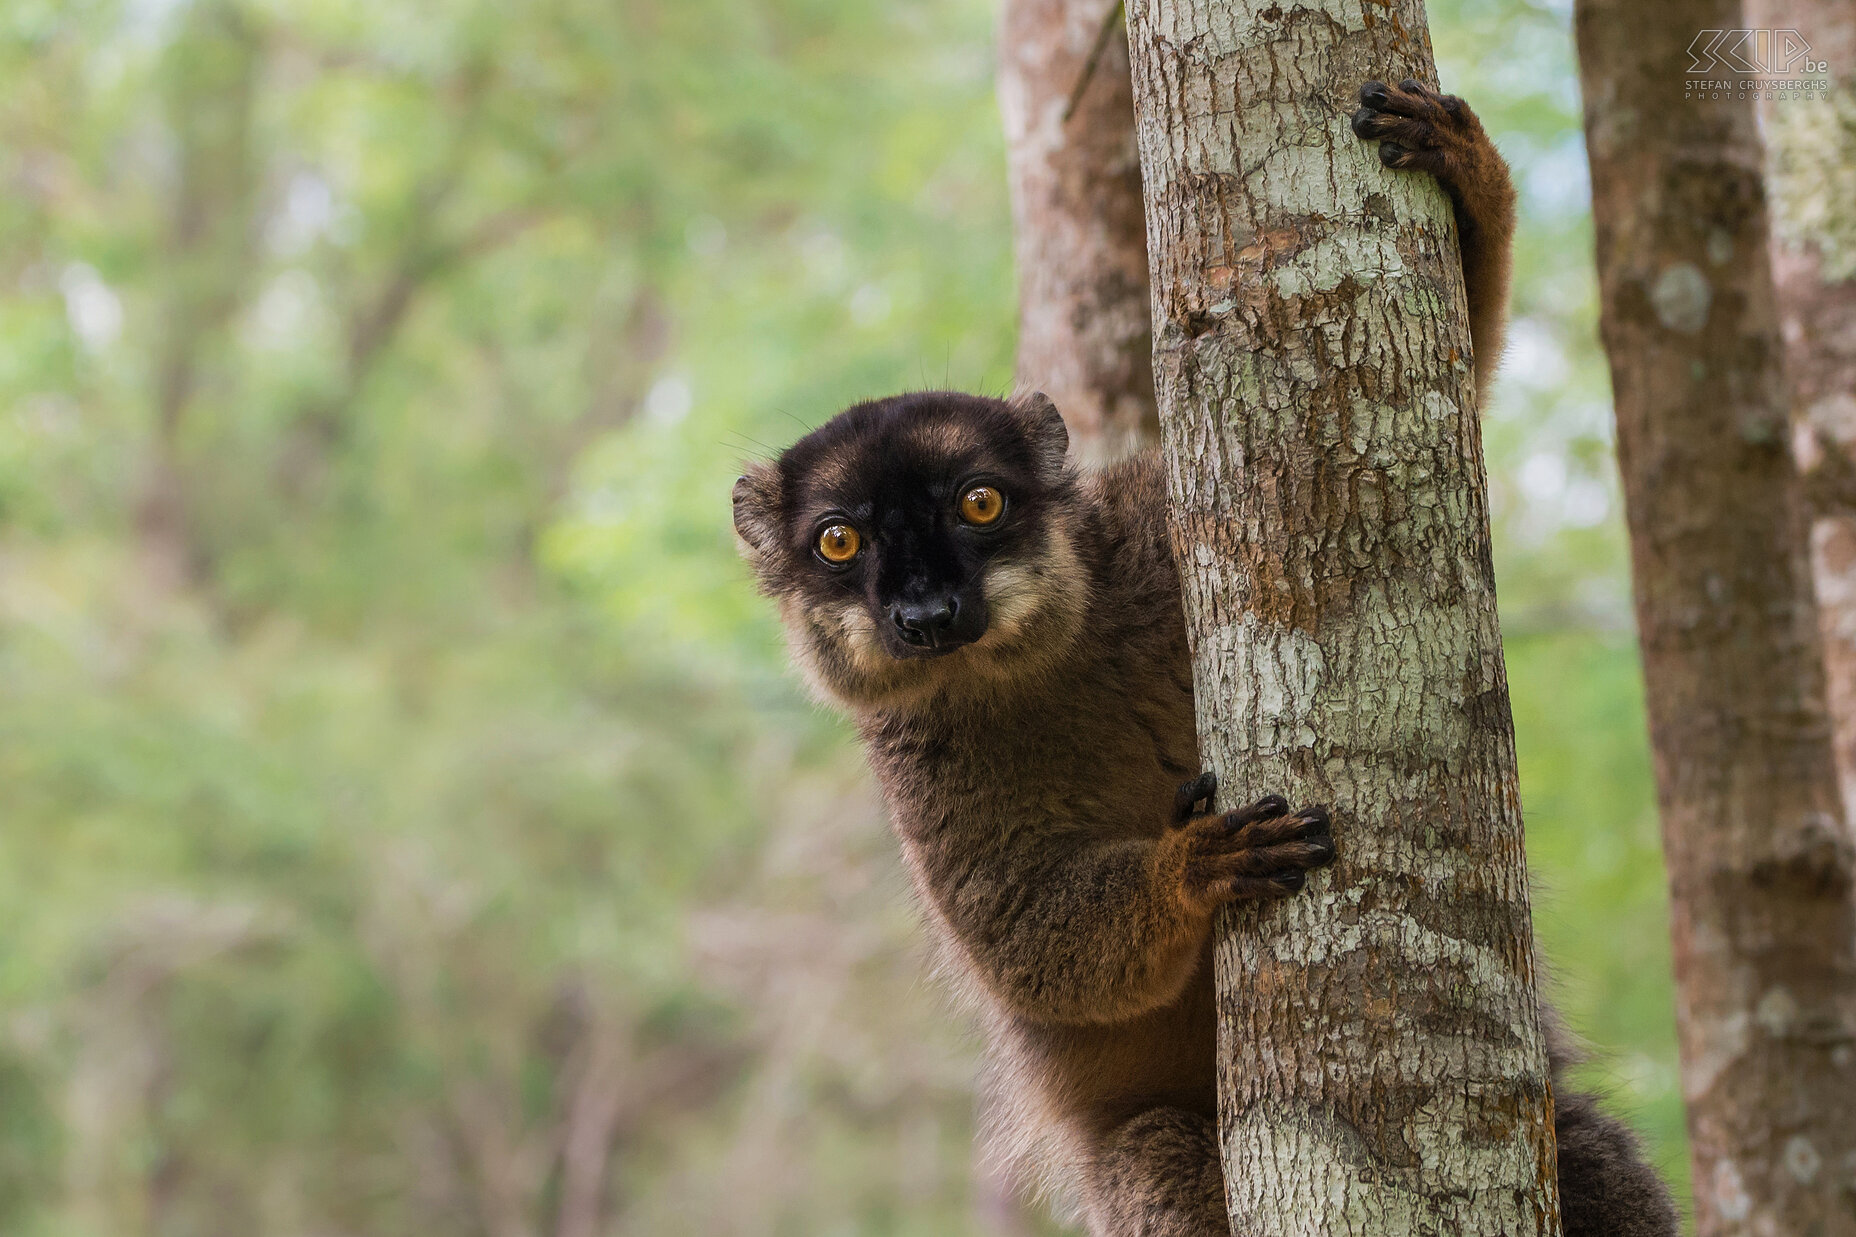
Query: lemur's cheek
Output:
(1013,596)
(847,623)
(861,636)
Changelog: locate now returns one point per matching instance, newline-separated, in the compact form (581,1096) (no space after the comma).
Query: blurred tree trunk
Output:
(208,87)
(1811,157)
(1083,334)
(1759,868)
(1330,517)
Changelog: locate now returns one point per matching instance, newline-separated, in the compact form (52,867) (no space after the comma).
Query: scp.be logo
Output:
(1751,52)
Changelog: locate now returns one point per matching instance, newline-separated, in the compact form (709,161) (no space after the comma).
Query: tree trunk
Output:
(210,81)
(1083,335)
(1382,1064)
(1811,160)
(1759,867)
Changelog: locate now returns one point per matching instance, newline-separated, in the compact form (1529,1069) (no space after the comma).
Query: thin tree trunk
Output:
(1811,161)
(1382,1066)
(1083,336)
(1759,869)
(209,84)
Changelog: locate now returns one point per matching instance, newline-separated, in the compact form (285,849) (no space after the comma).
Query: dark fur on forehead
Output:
(937,432)
(938,438)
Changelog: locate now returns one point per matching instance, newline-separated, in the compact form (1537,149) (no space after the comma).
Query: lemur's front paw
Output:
(1421,129)
(1260,851)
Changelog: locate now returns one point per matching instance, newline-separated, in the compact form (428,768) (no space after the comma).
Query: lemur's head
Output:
(920,545)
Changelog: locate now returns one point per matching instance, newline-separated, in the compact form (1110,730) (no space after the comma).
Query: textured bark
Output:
(1084,337)
(1811,157)
(1382,1065)
(1759,867)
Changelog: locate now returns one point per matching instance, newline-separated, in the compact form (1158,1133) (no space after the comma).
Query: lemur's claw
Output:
(1201,790)
(1261,851)
(1419,128)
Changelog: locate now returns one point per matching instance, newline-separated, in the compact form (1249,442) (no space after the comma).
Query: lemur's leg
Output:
(1421,129)
(1157,1175)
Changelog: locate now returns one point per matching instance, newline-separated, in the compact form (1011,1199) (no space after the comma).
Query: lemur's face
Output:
(917,543)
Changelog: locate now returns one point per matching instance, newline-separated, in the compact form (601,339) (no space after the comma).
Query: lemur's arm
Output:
(1100,931)
(1419,128)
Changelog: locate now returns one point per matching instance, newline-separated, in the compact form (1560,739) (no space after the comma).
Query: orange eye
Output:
(838,543)
(982,505)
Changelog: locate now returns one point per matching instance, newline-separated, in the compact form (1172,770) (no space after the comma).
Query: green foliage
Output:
(408,825)
(1600,908)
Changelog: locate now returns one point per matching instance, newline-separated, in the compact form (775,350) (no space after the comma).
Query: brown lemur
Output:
(1008,635)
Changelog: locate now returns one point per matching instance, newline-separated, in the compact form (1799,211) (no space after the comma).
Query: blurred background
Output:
(407,823)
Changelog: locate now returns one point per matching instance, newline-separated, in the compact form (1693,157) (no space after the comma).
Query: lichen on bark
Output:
(1810,138)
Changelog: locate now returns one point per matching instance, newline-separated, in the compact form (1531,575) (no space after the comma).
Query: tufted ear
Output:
(1048,432)
(757,509)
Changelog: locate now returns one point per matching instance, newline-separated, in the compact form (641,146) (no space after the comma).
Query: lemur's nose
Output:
(925,622)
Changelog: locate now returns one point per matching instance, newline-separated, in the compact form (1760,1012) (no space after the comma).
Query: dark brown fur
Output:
(1042,779)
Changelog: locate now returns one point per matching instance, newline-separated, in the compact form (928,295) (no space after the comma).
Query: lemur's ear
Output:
(757,509)
(1048,432)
